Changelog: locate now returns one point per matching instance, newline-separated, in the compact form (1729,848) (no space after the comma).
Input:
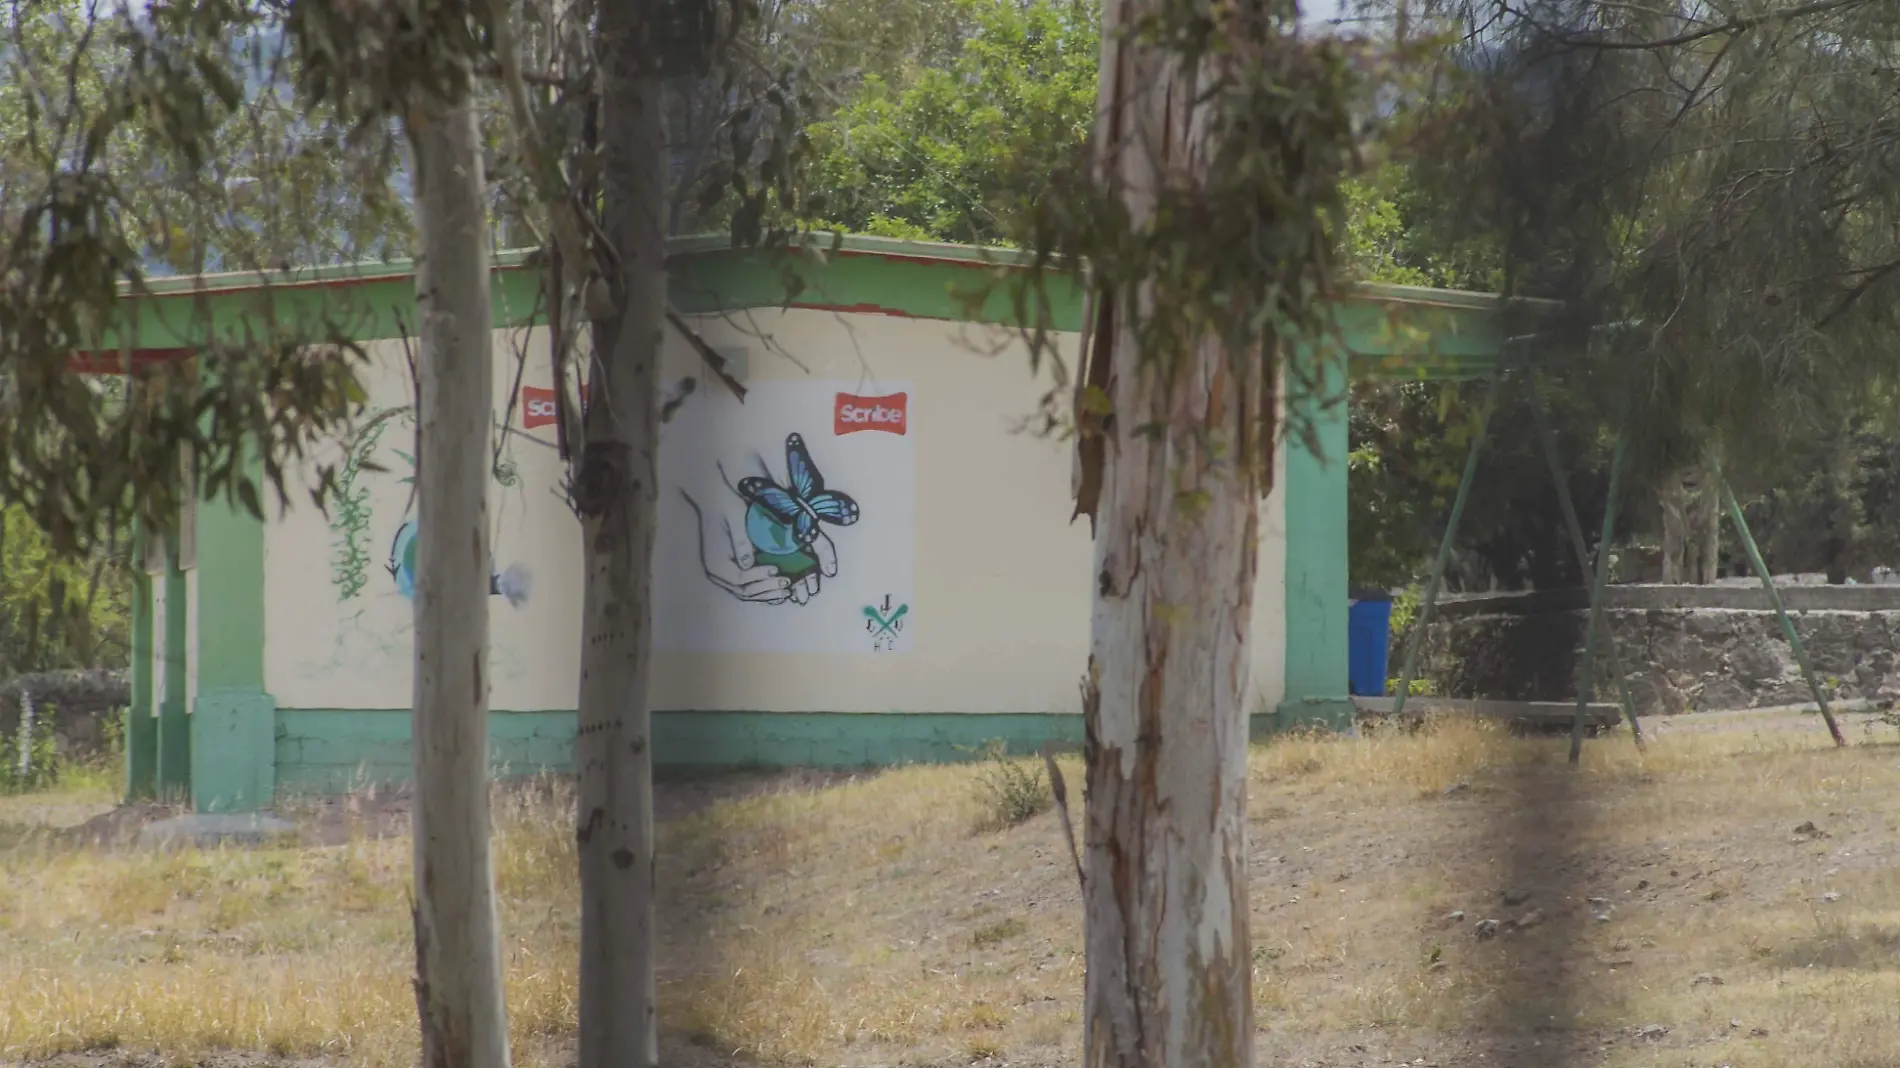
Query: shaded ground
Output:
(1726,898)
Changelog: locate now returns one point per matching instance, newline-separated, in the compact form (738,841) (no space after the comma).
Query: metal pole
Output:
(1599,614)
(1586,674)
(1774,597)
(1417,638)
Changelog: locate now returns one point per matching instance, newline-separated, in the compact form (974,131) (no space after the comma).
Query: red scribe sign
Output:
(851,413)
(537,406)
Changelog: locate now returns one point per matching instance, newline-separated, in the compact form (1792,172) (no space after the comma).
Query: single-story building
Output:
(938,594)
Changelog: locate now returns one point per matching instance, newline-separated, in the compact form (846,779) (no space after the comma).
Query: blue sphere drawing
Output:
(769,537)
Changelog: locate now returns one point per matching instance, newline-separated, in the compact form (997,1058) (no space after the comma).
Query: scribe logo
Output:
(851,413)
(537,406)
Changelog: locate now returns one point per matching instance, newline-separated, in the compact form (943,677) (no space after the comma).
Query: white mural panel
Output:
(788,520)
(340,595)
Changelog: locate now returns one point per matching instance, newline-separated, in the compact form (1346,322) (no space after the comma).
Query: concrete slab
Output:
(1596,713)
(208,829)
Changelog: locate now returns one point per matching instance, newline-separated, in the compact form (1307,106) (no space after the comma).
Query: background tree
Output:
(953,152)
(603,191)
(110,117)
(1704,184)
(59,612)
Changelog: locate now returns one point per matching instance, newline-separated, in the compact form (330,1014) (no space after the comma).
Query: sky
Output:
(1319,11)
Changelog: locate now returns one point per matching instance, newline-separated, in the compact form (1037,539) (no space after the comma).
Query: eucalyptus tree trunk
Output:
(1172,482)
(458,958)
(1169,979)
(614,493)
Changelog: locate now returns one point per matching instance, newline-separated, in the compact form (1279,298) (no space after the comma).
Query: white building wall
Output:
(963,521)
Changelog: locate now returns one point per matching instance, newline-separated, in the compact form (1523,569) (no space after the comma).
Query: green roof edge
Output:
(712,244)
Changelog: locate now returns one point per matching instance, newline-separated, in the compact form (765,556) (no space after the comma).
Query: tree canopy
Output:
(954,151)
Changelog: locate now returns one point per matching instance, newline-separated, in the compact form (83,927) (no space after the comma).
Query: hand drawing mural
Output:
(780,551)
(829,533)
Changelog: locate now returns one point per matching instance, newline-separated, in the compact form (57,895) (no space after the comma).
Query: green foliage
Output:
(1375,233)
(56,611)
(842,44)
(1409,443)
(1726,196)
(101,771)
(1009,791)
(956,151)
(1833,502)
(129,138)
(1406,605)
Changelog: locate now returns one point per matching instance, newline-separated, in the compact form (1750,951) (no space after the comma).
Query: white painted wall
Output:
(1269,597)
(997,578)
(159,646)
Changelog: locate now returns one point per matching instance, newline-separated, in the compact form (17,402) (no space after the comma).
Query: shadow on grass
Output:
(1540,962)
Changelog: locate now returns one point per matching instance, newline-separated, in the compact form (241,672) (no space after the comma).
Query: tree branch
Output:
(1738,24)
(714,362)
(1874,276)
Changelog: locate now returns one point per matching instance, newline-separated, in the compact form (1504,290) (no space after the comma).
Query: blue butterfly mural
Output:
(796,509)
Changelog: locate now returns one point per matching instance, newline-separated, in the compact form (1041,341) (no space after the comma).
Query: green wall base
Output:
(1336,714)
(174,751)
(233,751)
(335,751)
(141,754)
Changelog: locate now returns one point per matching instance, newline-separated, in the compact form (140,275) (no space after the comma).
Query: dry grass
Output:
(868,923)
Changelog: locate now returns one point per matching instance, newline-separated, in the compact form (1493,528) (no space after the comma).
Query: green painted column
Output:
(141,729)
(1317,581)
(234,724)
(174,725)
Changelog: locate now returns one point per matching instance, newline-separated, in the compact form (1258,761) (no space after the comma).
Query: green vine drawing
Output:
(349,562)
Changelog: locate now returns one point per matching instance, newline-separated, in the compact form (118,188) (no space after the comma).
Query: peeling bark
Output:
(1171,479)
(1169,970)
(458,958)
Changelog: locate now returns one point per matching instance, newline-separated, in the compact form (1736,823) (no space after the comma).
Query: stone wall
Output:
(1686,648)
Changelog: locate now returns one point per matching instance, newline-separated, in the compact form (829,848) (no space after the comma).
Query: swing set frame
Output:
(1598,569)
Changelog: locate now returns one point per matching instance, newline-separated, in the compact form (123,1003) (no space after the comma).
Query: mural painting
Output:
(785,554)
(354,519)
(884,624)
(372,535)
(783,532)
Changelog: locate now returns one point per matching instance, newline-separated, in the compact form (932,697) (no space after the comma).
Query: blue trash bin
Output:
(1368,636)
